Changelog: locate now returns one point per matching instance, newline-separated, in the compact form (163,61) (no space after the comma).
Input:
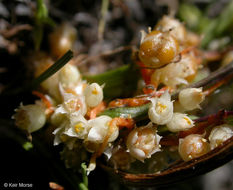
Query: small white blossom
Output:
(99,129)
(73,104)
(190,98)
(31,117)
(220,134)
(161,110)
(78,127)
(179,122)
(93,94)
(142,142)
(178,73)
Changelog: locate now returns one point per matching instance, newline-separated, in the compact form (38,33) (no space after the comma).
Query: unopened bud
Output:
(190,98)
(179,122)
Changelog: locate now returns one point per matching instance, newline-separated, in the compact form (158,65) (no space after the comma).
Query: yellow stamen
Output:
(188,121)
(79,127)
(95,91)
(162,107)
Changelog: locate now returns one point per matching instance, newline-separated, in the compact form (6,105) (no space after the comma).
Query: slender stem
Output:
(104,9)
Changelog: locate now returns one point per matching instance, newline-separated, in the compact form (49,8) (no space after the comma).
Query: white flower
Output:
(69,75)
(78,127)
(73,104)
(190,98)
(179,122)
(93,94)
(99,129)
(59,133)
(142,142)
(161,110)
(31,117)
(178,73)
(220,134)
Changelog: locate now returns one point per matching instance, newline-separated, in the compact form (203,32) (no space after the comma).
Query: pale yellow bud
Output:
(69,75)
(190,98)
(179,122)
(93,94)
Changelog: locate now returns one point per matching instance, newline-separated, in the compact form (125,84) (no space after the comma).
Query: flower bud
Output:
(93,94)
(190,98)
(179,122)
(220,134)
(193,146)
(69,75)
(30,117)
(99,129)
(62,39)
(142,142)
(50,85)
(161,110)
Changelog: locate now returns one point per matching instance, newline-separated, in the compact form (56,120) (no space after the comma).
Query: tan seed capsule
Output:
(193,146)
(158,49)
(62,39)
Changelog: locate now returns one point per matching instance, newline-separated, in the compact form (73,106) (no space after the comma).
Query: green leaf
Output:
(120,82)
(218,26)
(138,113)
(191,15)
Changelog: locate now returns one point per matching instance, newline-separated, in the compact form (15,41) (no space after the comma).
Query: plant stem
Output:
(104,9)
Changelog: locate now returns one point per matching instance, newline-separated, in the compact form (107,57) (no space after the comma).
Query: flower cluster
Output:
(73,107)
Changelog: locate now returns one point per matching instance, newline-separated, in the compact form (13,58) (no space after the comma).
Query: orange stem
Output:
(123,122)
(96,110)
(45,100)
(217,85)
